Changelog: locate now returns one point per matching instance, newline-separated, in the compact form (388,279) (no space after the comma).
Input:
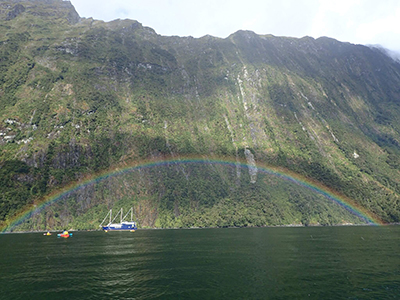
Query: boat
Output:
(123,225)
(47,233)
(65,234)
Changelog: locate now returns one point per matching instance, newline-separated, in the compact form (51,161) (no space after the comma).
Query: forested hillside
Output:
(81,97)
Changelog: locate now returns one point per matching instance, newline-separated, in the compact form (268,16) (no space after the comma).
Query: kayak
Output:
(64,235)
(48,233)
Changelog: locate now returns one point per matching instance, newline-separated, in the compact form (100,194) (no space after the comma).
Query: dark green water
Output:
(246,263)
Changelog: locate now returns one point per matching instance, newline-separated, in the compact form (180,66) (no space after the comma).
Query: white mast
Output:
(109,213)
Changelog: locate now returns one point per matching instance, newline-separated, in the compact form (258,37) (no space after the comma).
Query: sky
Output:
(367,22)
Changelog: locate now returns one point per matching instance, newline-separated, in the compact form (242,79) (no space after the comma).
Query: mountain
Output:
(82,98)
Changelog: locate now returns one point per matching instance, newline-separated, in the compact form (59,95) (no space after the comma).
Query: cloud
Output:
(381,30)
(355,21)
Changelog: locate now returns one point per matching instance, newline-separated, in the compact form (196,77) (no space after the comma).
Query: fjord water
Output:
(244,263)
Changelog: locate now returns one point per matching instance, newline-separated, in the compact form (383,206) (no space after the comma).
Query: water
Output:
(245,263)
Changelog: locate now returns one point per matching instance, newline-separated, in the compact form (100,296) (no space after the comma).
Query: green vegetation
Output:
(203,194)
(79,97)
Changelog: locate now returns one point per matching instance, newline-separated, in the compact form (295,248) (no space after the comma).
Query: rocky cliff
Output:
(81,96)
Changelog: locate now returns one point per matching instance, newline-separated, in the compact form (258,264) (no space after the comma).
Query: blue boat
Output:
(123,225)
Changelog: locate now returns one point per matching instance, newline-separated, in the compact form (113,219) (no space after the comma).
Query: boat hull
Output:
(106,229)
(120,227)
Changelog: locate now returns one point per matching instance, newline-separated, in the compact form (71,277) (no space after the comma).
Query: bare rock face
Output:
(10,9)
(15,11)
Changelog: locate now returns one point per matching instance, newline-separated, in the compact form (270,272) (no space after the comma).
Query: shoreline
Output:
(233,227)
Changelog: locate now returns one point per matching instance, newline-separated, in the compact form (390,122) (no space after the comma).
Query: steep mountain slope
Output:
(80,96)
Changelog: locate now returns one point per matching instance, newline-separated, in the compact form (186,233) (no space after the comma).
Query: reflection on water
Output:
(247,263)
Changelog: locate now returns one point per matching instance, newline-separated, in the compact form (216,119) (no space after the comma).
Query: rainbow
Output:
(341,200)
